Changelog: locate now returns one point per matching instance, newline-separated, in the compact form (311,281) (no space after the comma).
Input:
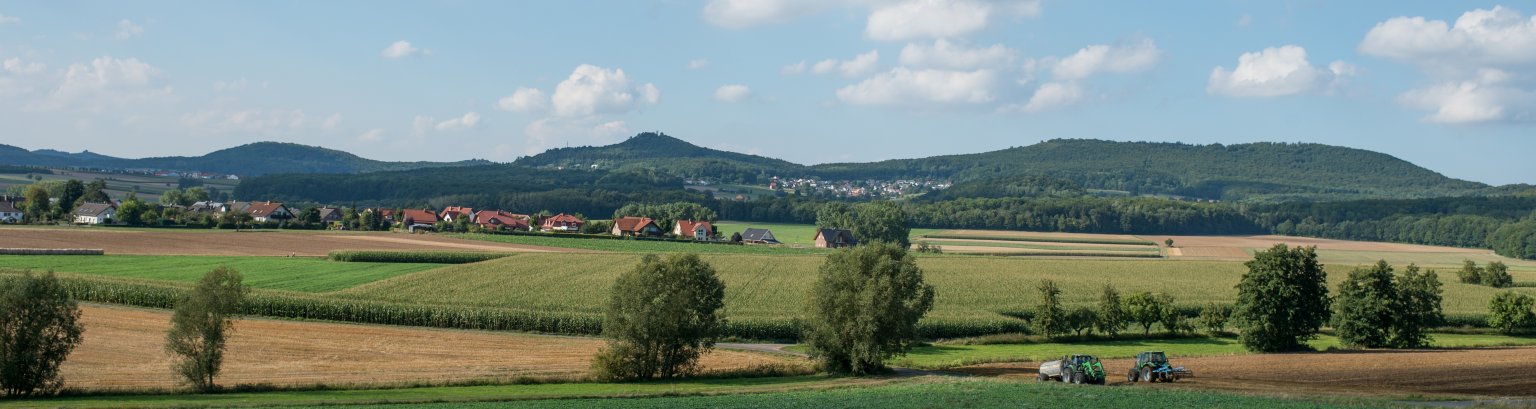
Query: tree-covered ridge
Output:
(253,159)
(658,151)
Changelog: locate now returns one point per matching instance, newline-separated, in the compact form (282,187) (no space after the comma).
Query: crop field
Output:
(304,274)
(1238,248)
(122,349)
(788,233)
(118,185)
(242,243)
(636,246)
(1005,243)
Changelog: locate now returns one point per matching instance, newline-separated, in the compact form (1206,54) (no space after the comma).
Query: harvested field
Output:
(244,243)
(1240,248)
(1480,372)
(123,350)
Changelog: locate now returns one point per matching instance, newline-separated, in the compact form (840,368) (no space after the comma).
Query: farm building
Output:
(453,213)
(758,236)
(412,219)
(563,223)
(635,227)
(268,211)
(499,220)
(700,230)
(834,238)
(94,213)
(8,213)
(330,215)
(207,206)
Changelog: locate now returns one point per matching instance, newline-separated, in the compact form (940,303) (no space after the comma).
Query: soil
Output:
(123,349)
(243,243)
(1449,372)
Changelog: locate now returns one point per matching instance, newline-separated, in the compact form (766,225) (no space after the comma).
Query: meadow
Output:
(790,233)
(302,274)
(636,246)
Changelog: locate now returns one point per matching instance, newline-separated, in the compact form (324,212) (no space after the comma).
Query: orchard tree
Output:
(1111,312)
(1213,318)
(864,308)
(1418,308)
(1050,318)
(661,316)
(1282,300)
(1144,309)
(39,327)
(1509,312)
(200,327)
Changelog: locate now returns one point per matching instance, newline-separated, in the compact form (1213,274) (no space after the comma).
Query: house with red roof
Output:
(412,219)
(562,223)
(454,213)
(267,211)
(499,220)
(635,227)
(696,230)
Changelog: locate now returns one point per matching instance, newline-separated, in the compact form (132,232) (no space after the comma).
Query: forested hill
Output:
(666,154)
(246,160)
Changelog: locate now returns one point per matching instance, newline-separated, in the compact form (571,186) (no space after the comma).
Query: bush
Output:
(200,326)
(436,257)
(661,316)
(1509,312)
(864,308)
(39,327)
(1282,300)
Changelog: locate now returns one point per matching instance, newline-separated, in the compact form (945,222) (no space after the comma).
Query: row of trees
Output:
(1495,275)
(40,326)
(1113,313)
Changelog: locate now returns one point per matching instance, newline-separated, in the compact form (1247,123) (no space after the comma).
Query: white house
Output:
(95,213)
(8,213)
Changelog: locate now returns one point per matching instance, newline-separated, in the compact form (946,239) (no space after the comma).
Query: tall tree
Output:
(95,192)
(882,221)
(1365,311)
(1050,318)
(1111,312)
(39,327)
(1282,300)
(201,324)
(1145,309)
(864,308)
(132,210)
(661,316)
(1418,308)
(835,215)
(38,204)
(72,191)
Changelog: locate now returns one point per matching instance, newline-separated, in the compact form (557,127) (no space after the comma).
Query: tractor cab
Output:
(1155,358)
(1153,366)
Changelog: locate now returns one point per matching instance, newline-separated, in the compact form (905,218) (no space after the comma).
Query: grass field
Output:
(794,392)
(277,273)
(788,233)
(1036,237)
(940,356)
(637,246)
(1037,246)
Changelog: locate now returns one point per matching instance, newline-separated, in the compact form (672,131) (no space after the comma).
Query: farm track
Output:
(122,349)
(1450,372)
(246,243)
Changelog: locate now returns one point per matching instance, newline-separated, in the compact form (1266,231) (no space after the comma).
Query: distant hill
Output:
(254,159)
(667,154)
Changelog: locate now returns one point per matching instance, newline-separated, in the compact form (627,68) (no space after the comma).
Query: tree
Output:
(1172,319)
(1145,309)
(1213,318)
(132,210)
(172,197)
(39,327)
(835,215)
(38,205)
(1168,242)
(1050,318)
(1111,312)
(1510,311)
(864,308)
(882,221)
(1364,312)
(194,195)
(1418,308)
(72,191)
(201,324)
(1082,319)
(1282,300)
(95,192)
(1496,275)
(661,316)
(1470,273)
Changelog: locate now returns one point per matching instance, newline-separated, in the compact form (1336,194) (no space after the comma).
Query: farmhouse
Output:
(206,206)
(268,211)
(758,236)
(8,213)
(499,220)
(700,230)
(635,227)
(563,223)
(412,219)
(94,213)
(834,238)
(454,213)
(329,215)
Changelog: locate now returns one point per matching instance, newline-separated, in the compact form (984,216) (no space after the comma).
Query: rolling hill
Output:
(253,159)
(664,153)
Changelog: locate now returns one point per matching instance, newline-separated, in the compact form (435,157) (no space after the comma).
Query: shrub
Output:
(661,316)
(864,308)
(200,326)
(1282,300)
(1509,312)
(39,327)
(436,257)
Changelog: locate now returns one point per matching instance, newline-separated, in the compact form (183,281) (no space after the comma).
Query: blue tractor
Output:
(1154,367)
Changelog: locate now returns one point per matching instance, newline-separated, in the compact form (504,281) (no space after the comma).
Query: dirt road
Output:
(244,243)
(1458,372)
(123,349)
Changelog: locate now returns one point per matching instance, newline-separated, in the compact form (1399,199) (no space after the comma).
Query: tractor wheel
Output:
(1041,377)
(1066,376)
(1130,375)
(1146,374)
(1077,378)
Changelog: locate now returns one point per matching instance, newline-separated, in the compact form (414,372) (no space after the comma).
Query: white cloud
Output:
(372,135)
(421,124)
(793,69)
(1054,95)
(467,121)
(4,19)
(127,29)
(109,82)
(944,54)
(401,49)
(15,66)
(594,90)
(1498,36)
(265,122)
(1099,58)
(732,93)
(907,87)
(860,65)
(331,122)
(1273,72)
(912,19)
(555,132)
(1486,98)
(524,100)
(698,64)
(750,13)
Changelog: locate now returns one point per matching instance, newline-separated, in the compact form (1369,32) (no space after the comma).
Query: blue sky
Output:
(1447,85)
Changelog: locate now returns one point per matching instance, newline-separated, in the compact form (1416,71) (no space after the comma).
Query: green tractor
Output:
(1077,369)
(1153,367)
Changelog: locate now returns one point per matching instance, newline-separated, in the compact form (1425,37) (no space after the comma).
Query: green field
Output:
(794,392)
(941,356)
(787,233)
(276,273)
(148,187)
(1026,245)
(1026,237)
(637,246)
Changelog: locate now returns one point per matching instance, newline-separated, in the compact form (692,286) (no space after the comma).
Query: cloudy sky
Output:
(1448,85)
